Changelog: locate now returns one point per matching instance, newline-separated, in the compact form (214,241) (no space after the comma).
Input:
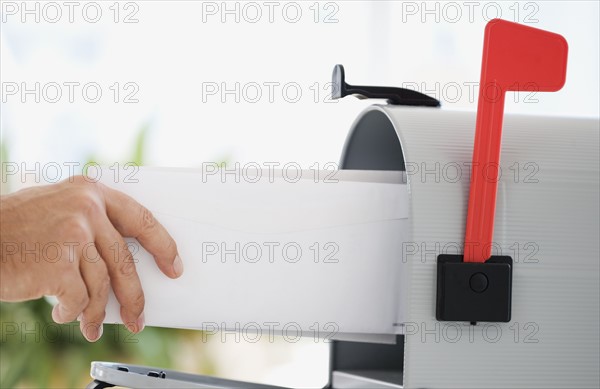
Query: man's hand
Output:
(66,240)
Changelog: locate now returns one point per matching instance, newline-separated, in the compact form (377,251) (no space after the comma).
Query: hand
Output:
(66,240)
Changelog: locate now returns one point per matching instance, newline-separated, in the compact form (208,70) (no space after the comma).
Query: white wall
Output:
(170,53)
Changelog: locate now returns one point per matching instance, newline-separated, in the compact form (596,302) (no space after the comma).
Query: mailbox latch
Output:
(394,95)
(474,291)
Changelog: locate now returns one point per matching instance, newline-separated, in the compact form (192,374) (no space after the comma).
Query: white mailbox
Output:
(547,219)
(527,317)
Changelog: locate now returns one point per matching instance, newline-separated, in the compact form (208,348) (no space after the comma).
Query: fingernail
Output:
(56,314)
(129,322)
(92,332)
(140,323)
(131,327)
(178,266)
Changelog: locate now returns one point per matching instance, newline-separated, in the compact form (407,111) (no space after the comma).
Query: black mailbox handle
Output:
(394,95)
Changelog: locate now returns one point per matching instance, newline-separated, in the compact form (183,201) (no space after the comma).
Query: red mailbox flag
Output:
(515,58)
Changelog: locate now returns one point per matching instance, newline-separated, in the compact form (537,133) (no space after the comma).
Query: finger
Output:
(72,298)
(132,219)
(123,275)
(96,278)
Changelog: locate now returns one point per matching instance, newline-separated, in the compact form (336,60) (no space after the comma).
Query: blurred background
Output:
(180,83)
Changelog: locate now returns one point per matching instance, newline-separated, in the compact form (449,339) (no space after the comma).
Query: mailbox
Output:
(546,221)
(521,308)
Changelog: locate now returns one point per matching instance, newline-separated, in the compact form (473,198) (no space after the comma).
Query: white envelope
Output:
(318,255)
